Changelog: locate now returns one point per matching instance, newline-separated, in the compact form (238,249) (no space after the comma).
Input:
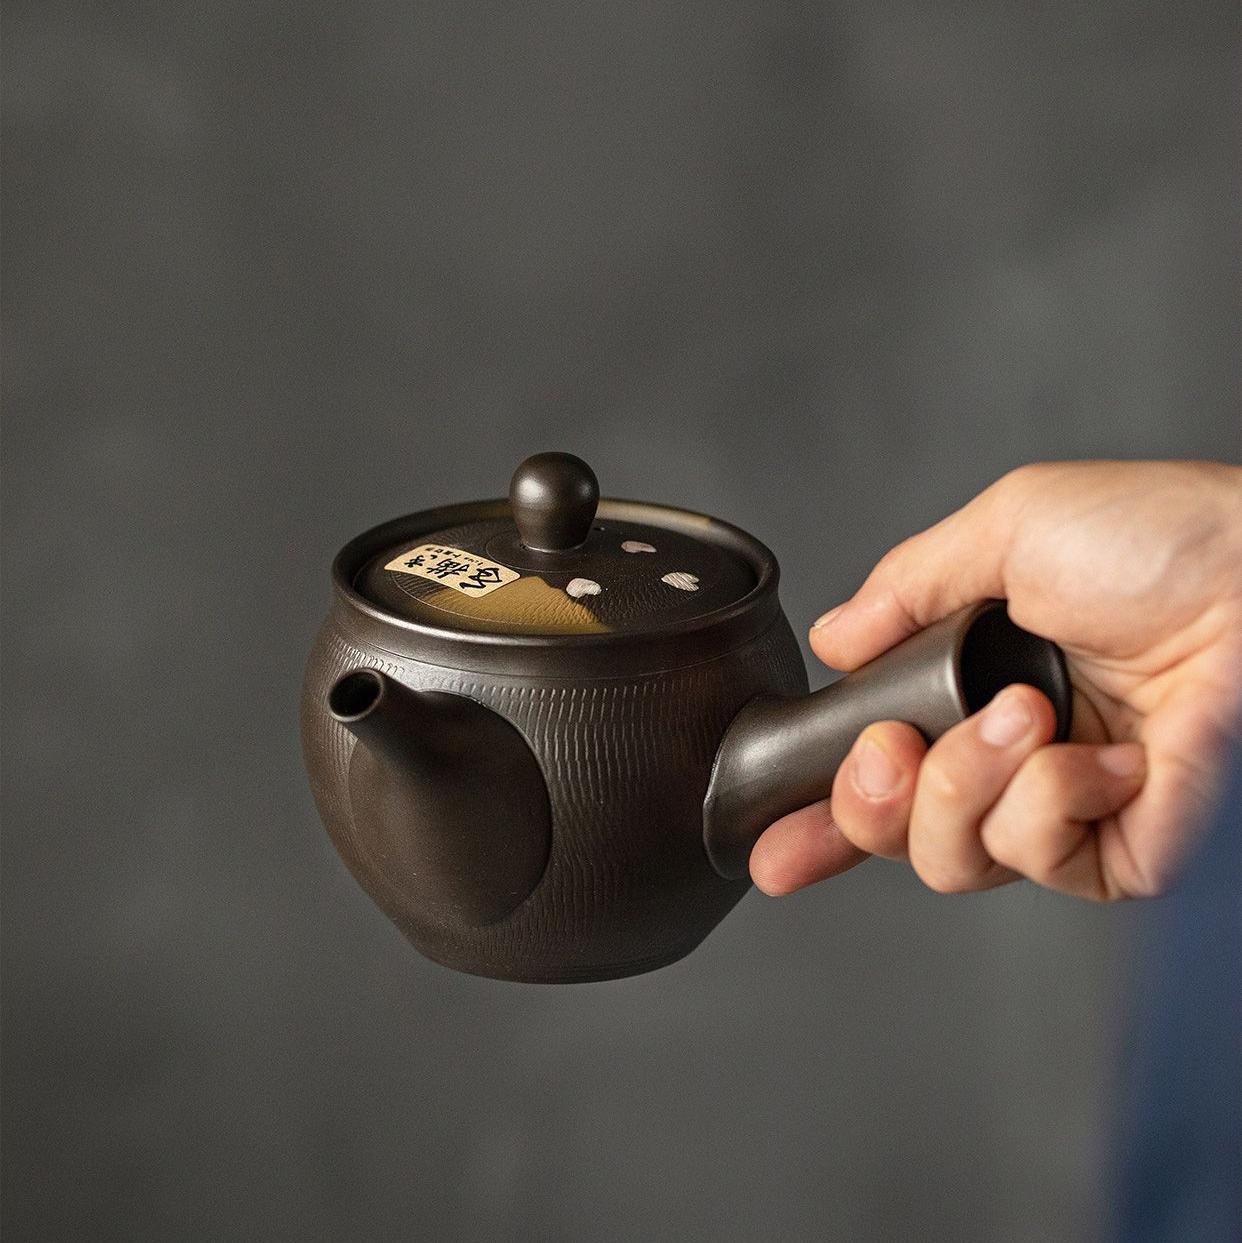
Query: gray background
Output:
(274,273)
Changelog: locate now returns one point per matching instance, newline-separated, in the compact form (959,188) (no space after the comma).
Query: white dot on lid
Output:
(681,580)
(579,587)
(636,545)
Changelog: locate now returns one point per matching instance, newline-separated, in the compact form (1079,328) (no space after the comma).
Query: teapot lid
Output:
(555,560)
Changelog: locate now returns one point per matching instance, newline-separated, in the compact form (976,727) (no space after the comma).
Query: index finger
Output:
(957,562)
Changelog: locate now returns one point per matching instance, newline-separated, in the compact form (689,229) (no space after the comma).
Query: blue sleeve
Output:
(1179,1173)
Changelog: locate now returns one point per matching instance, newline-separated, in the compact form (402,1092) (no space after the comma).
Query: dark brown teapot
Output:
(544,733)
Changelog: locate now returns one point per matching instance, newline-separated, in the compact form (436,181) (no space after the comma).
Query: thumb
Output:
(957,562)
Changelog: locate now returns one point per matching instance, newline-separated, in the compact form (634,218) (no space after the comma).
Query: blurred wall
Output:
(274,273)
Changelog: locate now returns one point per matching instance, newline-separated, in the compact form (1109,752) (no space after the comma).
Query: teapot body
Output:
(620,728)
(626,760)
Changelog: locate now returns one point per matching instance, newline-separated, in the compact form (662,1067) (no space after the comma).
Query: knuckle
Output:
(946,882)
(942,779)
(1107,894)
(1044,778)
(1006,497)
(1021,478)
(1004,846)
(945,868)
(888,567)
(1008,852)
(950,875)
(1150,880)
(1013,843)
(895,555)
(1047,848)
(1030,855)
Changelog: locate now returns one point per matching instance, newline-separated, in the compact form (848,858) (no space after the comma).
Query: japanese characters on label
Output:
(454,567)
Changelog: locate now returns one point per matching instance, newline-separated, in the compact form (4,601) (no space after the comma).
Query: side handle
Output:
(781,754)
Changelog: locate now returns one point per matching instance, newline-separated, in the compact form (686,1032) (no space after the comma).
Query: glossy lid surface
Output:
(557,561)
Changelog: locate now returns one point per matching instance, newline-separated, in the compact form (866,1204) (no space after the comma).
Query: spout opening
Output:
(355,695)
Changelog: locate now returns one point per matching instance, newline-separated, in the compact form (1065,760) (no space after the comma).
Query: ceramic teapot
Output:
(545,732)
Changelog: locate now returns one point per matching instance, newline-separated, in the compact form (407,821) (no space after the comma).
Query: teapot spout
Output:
(447,800)
(380,713)
(781,754)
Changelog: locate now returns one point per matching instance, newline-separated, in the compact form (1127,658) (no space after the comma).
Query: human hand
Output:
(1135,569)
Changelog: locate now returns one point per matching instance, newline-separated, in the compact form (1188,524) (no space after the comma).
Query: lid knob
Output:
(553,497)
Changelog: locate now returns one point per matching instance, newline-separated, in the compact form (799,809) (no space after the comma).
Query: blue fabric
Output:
(1180,1108)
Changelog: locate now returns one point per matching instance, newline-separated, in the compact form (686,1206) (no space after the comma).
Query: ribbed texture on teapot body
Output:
(627,886)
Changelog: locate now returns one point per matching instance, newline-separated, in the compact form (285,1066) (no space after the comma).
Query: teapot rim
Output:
(676,644)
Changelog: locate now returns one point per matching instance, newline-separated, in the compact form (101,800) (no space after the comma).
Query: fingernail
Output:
(1126,759)
(1005,720)
(875,774)
(827,617)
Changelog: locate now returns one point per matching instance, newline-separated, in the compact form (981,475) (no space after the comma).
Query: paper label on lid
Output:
(454,567)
